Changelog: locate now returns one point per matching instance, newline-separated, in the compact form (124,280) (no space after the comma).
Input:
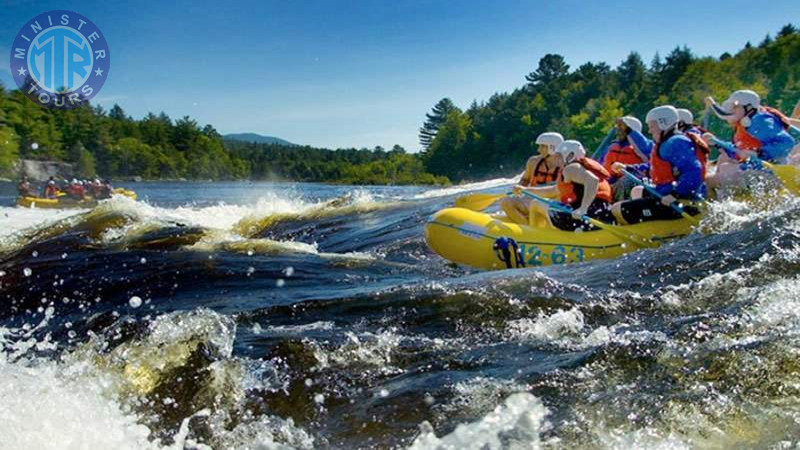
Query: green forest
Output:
(487,139)
(112,144)
(495,137)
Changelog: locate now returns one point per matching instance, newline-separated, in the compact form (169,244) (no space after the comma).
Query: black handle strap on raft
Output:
(503,247)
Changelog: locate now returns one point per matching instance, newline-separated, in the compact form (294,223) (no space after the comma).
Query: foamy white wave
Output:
(221,216)
(18,219)
(443,192)
(546,328)
(478,395)
(50,406)
(217,240)
(54,405)
(515,424)
(373,349)
(74,402)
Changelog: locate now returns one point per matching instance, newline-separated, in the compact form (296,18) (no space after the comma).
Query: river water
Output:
(263,315)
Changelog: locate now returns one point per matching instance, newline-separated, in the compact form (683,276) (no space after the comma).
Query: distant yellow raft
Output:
(64,202)
(467,237)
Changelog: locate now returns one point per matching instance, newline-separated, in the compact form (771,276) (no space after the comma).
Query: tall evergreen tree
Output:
(433,120)
(552,67)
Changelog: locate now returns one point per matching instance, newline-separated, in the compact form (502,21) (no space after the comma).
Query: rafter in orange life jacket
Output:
(544,175)
(661,171)
(743,140)
(569,192)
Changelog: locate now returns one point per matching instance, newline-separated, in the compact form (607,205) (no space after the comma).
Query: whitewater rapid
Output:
(323,322)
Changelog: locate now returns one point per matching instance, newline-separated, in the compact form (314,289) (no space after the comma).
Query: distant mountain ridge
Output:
(257,138)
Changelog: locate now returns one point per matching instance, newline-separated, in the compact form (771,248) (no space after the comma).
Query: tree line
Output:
(495,137)
(111,144)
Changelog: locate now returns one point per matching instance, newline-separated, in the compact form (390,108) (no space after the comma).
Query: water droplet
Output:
(143,260)
(63,256)
(383,393)
(319,398)
(250,270)
(34,145)
(309,382)
(2,273)
(35,254)
(289,271)
(27,271)
(279,282)
(135,301)
(249,253)
(429,400)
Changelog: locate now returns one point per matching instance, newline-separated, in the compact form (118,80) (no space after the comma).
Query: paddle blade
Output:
(477,202)
(789,176)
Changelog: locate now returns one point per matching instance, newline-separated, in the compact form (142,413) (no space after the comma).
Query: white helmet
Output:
(571,150)
(666,117)
(633,123)
(551,139)
(743,97)
(685,116)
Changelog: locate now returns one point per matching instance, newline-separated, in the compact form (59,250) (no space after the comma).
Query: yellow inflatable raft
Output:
(64,202)
(468,237)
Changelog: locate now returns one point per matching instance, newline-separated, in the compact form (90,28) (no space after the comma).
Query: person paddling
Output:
(540,170)
(76,190)
(624,151)
(50,189)
(24,188)
(677,168)
(759,131)
(582,186)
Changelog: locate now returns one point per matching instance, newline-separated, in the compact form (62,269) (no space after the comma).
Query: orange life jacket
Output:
(626,155)
(544,175)
(701,150)
(742,139)
(661,171)
(570,192)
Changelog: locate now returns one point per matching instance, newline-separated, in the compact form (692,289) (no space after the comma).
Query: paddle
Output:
(789,175)
(633,238)
(674,205)
(478,202)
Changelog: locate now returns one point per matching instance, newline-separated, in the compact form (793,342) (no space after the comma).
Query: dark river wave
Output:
(311,316)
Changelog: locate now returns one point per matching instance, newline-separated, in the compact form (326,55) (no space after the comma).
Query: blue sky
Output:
(363,73)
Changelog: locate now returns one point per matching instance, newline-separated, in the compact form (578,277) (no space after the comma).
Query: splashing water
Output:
(312,316)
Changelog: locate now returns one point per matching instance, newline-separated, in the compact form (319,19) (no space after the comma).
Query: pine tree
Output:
(551,68)
(787,30)
(433,120)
